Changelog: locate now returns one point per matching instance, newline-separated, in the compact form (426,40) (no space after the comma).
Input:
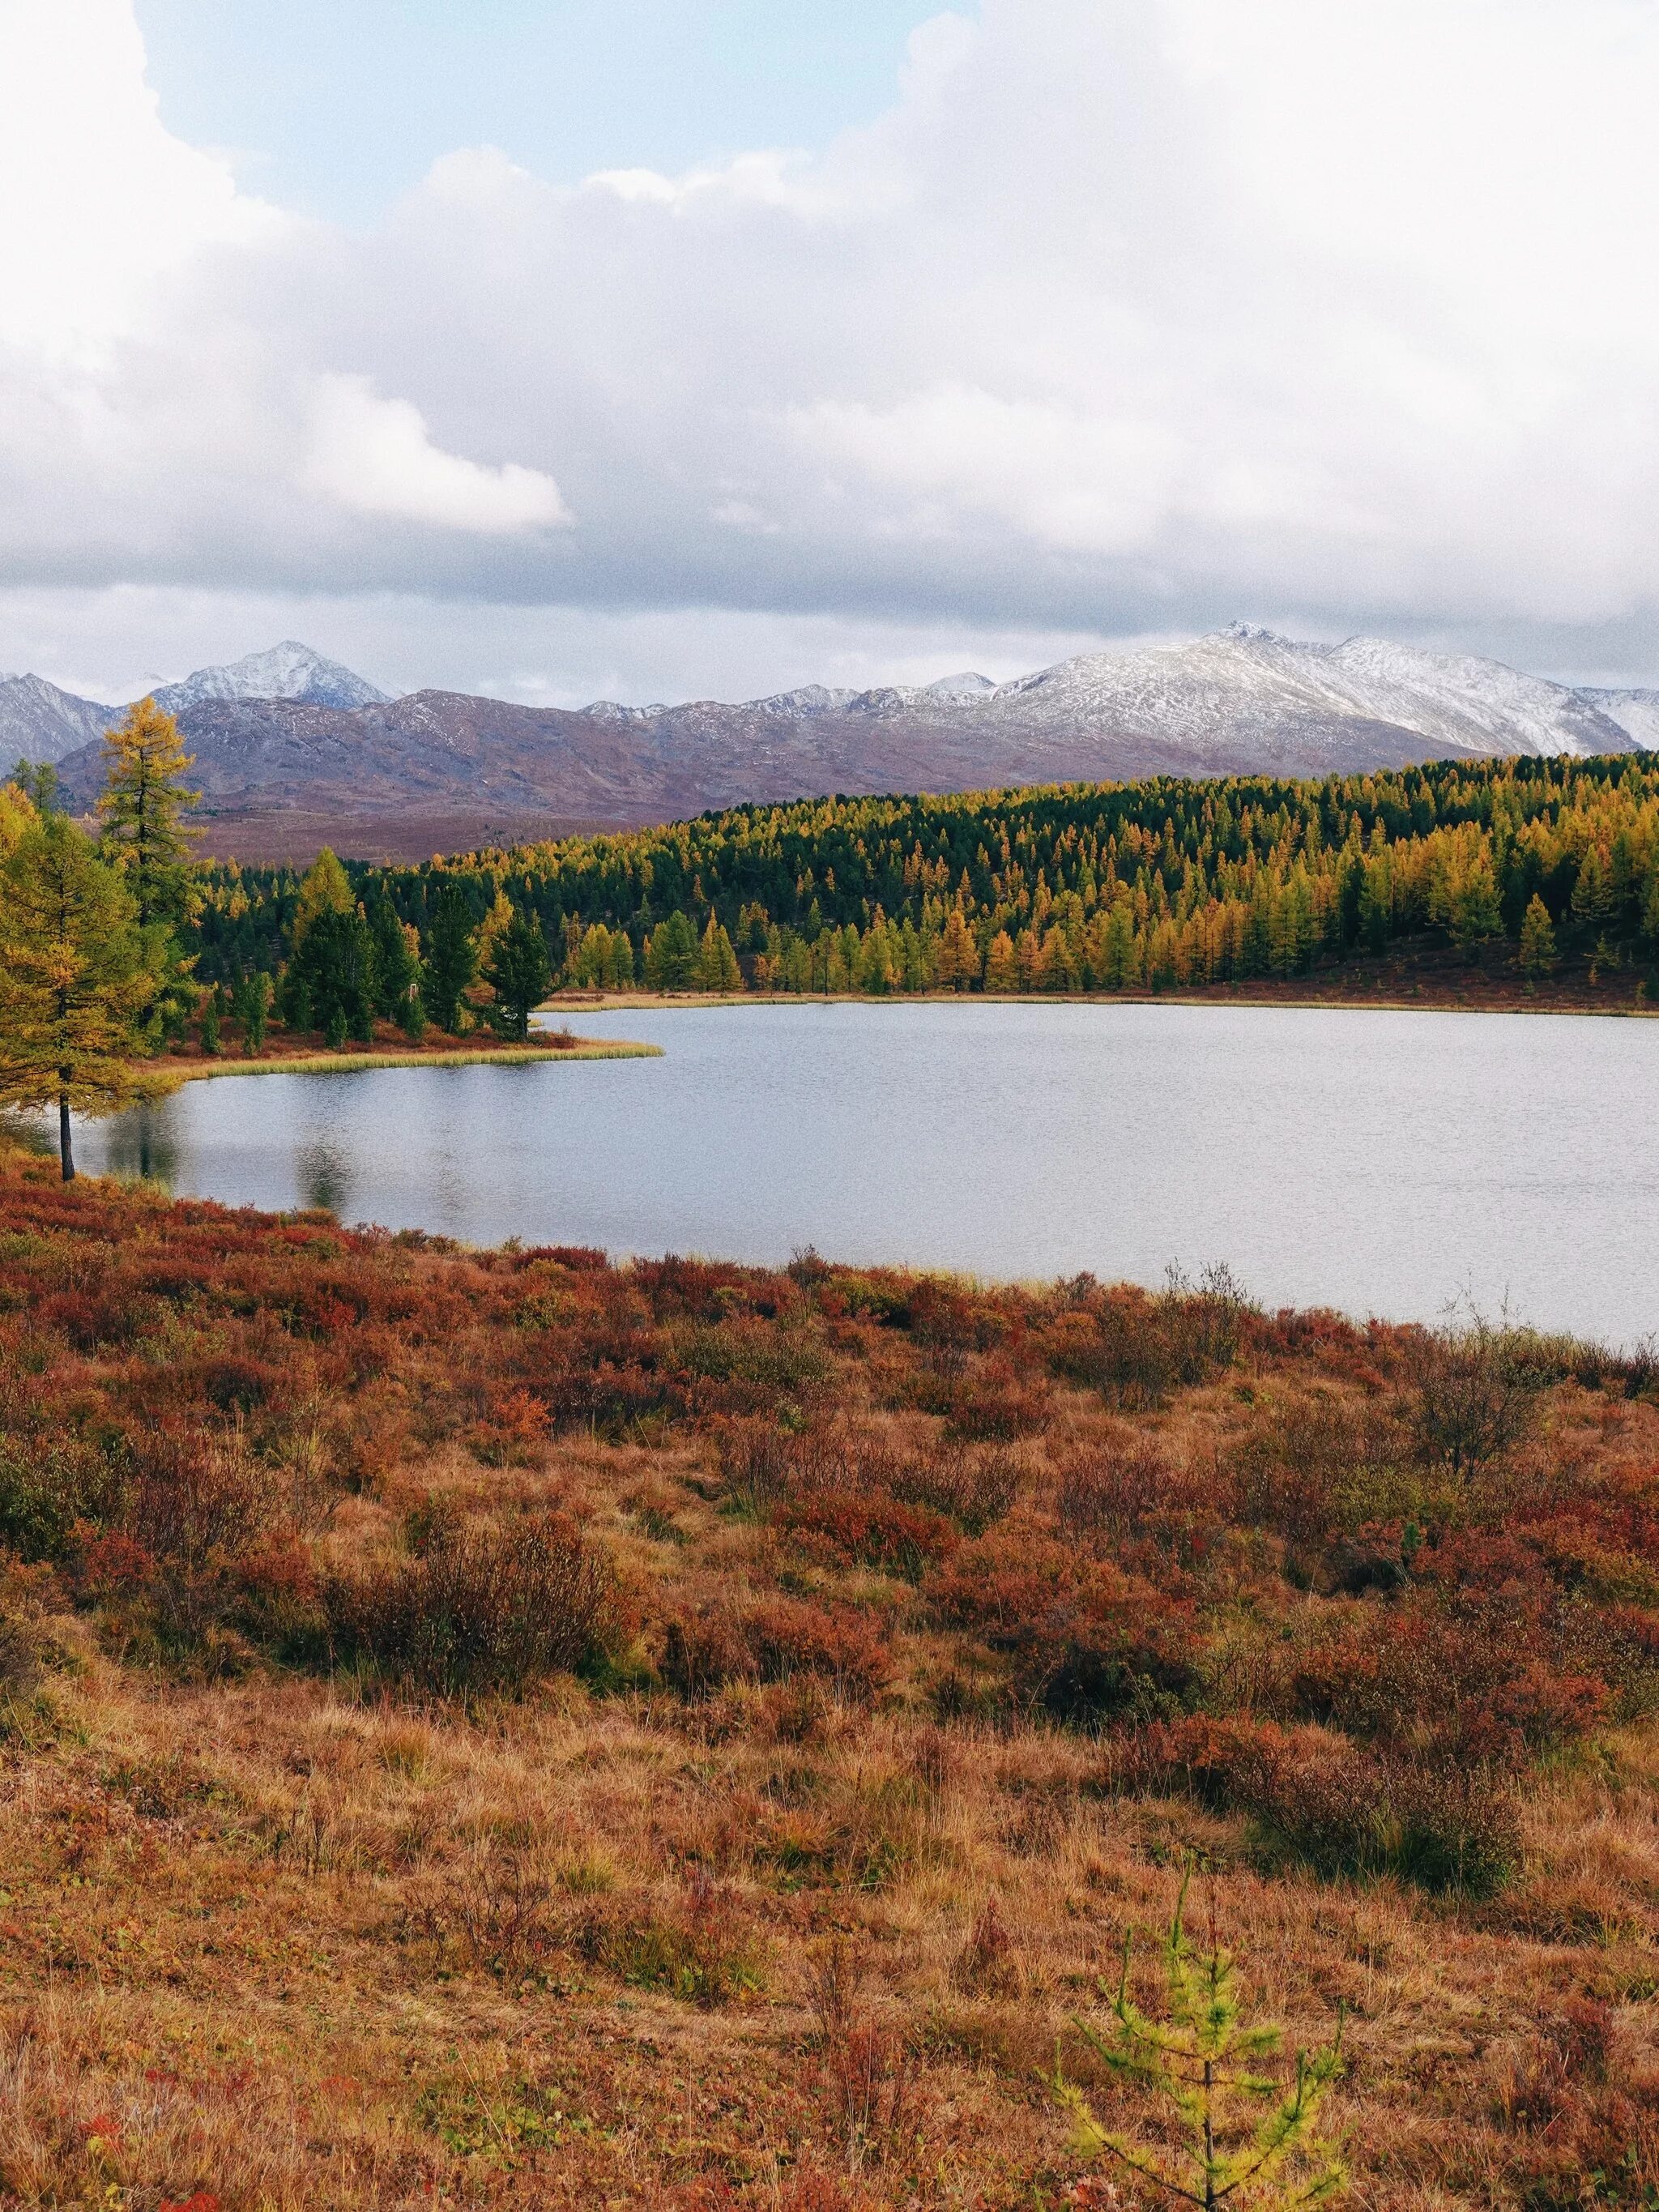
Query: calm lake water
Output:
(1381,1162)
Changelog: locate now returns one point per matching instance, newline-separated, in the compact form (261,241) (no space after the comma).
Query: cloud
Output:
(376,457)
(1128,315)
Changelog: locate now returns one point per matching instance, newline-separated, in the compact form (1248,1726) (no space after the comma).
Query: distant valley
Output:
(292,749)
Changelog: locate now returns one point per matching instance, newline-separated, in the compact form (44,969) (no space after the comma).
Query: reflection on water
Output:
(30,1131)
(326,1179)
(145,1142)
(1378,1163)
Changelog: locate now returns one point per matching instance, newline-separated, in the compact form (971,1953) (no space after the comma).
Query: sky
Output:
(616,348)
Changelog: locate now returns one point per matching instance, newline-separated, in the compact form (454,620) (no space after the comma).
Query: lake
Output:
(1381,1163)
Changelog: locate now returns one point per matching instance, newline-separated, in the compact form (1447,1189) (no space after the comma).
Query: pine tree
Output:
(1537,951)
(252,1006)
(37,782)
(450,957)
(143,800)
(75,979)
(671,954)
(331,983)
(518,969)
(397,969)
(1200,2063)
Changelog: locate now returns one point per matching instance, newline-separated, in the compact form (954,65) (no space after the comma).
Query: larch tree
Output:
(142,806)
(17,817)
(1537,948)
(717,962)
(76,979)
(1244,2141)
(958,955)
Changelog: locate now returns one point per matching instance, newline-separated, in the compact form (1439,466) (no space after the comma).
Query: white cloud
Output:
(100,203)
(376,457)
(1130,314)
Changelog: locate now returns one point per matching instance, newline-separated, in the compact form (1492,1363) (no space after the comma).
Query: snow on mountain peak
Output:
(288,670)
(968,684)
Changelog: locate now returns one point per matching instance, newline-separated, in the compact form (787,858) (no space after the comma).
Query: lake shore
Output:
(204,1068)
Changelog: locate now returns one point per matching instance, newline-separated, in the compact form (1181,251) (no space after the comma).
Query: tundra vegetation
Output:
(1523,880)
(495,1728)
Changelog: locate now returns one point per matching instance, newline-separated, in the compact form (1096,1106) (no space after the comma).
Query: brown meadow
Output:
(495,1728)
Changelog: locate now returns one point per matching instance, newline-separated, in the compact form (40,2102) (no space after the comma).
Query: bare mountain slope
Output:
(1240,702)
(38,722)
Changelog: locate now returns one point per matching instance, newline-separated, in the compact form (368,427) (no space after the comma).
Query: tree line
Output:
(1150,887)
(103,933)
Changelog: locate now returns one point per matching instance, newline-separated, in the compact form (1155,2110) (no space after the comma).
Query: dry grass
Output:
(279,1933)
(356,1063)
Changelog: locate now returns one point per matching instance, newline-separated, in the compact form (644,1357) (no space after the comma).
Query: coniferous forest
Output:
(1155,886)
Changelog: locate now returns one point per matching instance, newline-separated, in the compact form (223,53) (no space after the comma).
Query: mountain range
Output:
(292,750)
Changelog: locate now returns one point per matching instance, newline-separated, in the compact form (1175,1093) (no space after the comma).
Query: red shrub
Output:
(1086,1639)
(871,1531)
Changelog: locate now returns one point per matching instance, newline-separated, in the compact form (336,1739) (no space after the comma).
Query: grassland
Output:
(492,1728)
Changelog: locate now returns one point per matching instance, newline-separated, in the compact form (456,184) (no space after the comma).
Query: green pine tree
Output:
(671,954)
(1200,2063)
(451,961)
(396,969)
(518,969)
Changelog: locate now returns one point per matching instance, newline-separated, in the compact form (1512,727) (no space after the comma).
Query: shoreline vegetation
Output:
(494,1727)
(348,1062)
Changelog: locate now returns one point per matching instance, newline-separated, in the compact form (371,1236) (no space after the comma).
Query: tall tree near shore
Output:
(76,979)
(451,956)
(142,804)
(518,969)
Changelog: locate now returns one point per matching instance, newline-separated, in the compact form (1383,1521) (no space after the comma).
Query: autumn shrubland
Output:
(496,1727)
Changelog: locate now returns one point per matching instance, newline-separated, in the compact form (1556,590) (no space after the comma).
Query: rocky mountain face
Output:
(321,742)
(38,722)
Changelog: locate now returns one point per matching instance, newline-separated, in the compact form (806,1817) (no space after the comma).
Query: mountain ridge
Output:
(1236,701)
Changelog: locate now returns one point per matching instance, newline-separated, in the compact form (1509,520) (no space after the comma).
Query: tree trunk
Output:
(65,1142)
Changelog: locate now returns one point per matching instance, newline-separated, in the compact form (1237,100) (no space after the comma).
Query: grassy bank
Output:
(354,1063)
(497,1729)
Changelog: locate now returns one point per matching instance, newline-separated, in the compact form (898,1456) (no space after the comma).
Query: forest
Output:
(486,1728)
(1544,866)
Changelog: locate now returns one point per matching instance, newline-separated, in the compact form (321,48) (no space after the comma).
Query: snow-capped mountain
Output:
(1245,698)
(288,670)
(1635,712)
(38,722)
(1241,702)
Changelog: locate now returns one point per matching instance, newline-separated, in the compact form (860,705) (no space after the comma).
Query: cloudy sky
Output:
(577,347)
